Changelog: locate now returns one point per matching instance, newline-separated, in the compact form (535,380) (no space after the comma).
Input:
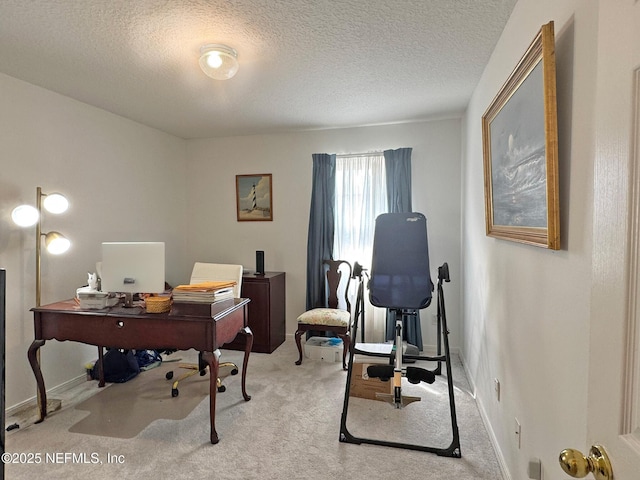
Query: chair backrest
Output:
(400,276)
(218,272)
(338,275)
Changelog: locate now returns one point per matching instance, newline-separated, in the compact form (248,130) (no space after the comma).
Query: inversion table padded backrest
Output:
(400,276)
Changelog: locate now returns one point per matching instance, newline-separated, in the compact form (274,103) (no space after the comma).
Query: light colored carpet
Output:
(123,410)
(289,429)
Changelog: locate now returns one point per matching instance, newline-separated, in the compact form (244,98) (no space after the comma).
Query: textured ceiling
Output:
(304,64)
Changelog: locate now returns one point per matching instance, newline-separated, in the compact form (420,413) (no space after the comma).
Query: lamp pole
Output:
(27,216)
(38,250)
(38,290)
(52,405)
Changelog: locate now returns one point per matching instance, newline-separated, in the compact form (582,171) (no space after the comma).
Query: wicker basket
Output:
(158,304)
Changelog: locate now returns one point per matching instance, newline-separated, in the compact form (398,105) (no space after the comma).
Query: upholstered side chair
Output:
(335,317)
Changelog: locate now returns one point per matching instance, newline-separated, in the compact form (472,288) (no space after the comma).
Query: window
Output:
(366,185)
(360,196)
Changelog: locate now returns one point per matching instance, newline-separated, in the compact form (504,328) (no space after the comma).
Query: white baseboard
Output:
(506,475)
(52,392)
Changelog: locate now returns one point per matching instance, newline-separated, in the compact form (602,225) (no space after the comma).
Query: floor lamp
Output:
(3,283)
(55,243)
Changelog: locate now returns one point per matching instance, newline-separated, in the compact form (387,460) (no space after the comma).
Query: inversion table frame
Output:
(453,450)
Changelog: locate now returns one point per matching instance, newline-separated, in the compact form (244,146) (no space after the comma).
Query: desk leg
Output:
(101,381)
(32,354)
(248,339)
(212,360)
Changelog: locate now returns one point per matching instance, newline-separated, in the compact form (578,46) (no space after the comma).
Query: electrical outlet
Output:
(496,388)
(518,432)
(534,469)
(434,319)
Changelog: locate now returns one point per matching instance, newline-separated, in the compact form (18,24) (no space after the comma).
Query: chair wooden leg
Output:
(346,345)
(298,336)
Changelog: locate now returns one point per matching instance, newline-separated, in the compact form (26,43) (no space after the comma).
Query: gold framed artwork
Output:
(254,198)
(520,151)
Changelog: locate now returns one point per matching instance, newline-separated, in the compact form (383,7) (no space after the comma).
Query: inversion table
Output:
(401,282)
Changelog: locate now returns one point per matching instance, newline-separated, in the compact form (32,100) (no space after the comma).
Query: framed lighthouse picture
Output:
(253,198)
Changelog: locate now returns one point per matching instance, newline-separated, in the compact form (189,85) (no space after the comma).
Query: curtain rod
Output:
(368,154)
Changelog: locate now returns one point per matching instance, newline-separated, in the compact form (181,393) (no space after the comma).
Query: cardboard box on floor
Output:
(364,387)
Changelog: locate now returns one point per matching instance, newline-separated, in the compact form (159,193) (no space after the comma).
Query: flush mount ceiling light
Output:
(218,61)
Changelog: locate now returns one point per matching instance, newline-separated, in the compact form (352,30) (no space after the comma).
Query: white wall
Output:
(124,181)
(526,309)
(215,235)
(519,313)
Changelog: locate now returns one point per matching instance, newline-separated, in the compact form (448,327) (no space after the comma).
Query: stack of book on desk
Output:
(205,292)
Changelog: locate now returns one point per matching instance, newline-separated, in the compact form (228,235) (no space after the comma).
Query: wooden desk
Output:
(133,328)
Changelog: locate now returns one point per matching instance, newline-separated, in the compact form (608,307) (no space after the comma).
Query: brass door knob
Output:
(577,465)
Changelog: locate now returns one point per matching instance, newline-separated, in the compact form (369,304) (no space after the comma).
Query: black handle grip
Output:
(443,272)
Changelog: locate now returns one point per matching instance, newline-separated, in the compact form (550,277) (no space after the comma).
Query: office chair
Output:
(209,272)
(335,316)
(401,282)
